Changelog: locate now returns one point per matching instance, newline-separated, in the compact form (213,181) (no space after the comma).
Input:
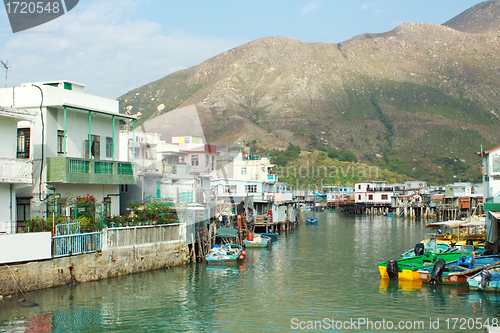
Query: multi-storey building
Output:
(73,143)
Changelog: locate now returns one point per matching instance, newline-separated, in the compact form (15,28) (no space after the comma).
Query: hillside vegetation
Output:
(419,100)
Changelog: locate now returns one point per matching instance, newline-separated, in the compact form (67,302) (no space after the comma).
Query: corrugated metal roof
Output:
(437,197)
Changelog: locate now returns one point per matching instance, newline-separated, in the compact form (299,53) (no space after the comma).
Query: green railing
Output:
(103,168)
(125,169)
(89,171)
(78,166)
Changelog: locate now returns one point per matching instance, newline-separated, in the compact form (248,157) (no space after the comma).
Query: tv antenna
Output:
(6,65)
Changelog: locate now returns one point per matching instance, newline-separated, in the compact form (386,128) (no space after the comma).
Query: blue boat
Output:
(269,234)
(221,254)
(488,279)
(312,220)
(457,272)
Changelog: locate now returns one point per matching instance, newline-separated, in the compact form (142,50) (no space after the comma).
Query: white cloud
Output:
(310,7)
(100,46)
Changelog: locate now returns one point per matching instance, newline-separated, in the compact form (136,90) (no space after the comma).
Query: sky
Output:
(114,46)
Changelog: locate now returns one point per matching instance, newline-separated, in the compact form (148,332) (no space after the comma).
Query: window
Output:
(194,160)
(213,162)
(207,161)
(109,147)
(23,143)
(359,187)
(385,197)
(250,188)
(124,188)
(60,142)
(359,197)
(95,149)
(186,139)
(243,170)
(23,212)
(370,197)
(230,189)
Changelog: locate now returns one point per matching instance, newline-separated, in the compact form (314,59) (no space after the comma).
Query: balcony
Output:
(87,171)
(13,170)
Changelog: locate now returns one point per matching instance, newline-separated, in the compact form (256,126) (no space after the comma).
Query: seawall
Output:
(104,264)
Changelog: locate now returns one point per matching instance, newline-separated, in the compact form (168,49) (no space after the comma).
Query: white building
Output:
(491,175)
(373,192)
(73,142)
(248,167)
(15,173)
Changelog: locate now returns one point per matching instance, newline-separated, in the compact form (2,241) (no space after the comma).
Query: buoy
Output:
(243,253)
(250,236)
(241,257)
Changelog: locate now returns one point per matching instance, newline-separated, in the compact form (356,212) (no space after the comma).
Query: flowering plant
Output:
(87,199)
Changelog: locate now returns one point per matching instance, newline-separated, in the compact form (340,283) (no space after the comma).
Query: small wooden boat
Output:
(407,269)
(312,220)
(487,279)
(458,271)
(389,214)
(221,254)
(258,241)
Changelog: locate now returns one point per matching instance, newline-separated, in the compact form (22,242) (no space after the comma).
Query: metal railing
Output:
(68,245)
(68,229)
(130,236)
(125,169)
(103,168)
(78,166)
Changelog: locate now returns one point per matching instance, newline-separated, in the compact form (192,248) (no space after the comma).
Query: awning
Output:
(226,232)
(437,197)
(446,224)
(475,223)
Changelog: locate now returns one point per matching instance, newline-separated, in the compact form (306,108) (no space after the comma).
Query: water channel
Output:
(319,278)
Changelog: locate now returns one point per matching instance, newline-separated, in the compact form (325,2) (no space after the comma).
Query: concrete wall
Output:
(91,267)
(25,247)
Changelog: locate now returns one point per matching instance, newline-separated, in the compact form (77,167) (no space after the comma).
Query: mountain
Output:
(420,99)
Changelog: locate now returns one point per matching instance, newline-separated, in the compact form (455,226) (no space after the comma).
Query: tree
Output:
(333,152)
(347,156)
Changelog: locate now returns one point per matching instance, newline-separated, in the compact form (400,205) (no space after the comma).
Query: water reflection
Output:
(326,271)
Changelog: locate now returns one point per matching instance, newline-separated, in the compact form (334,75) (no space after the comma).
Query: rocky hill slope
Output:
(419,100)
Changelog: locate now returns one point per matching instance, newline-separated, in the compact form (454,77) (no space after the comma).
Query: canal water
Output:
(319,278)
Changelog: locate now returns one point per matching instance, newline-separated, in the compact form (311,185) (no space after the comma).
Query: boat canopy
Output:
(457,223)
(446,224)
(226,232)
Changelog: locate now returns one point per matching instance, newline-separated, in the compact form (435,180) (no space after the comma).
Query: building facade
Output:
(73,142)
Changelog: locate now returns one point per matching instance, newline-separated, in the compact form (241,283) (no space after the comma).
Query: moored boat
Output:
(312,220)
(258,241)
(458,271)
(221,254)
(407,269)
(487,279)
(269,234)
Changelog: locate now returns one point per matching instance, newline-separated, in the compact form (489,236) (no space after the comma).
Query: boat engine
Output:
(392,269)
(437,272)
(485,278)
(419,249)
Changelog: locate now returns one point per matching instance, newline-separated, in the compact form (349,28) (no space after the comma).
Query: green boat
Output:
(406,269)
